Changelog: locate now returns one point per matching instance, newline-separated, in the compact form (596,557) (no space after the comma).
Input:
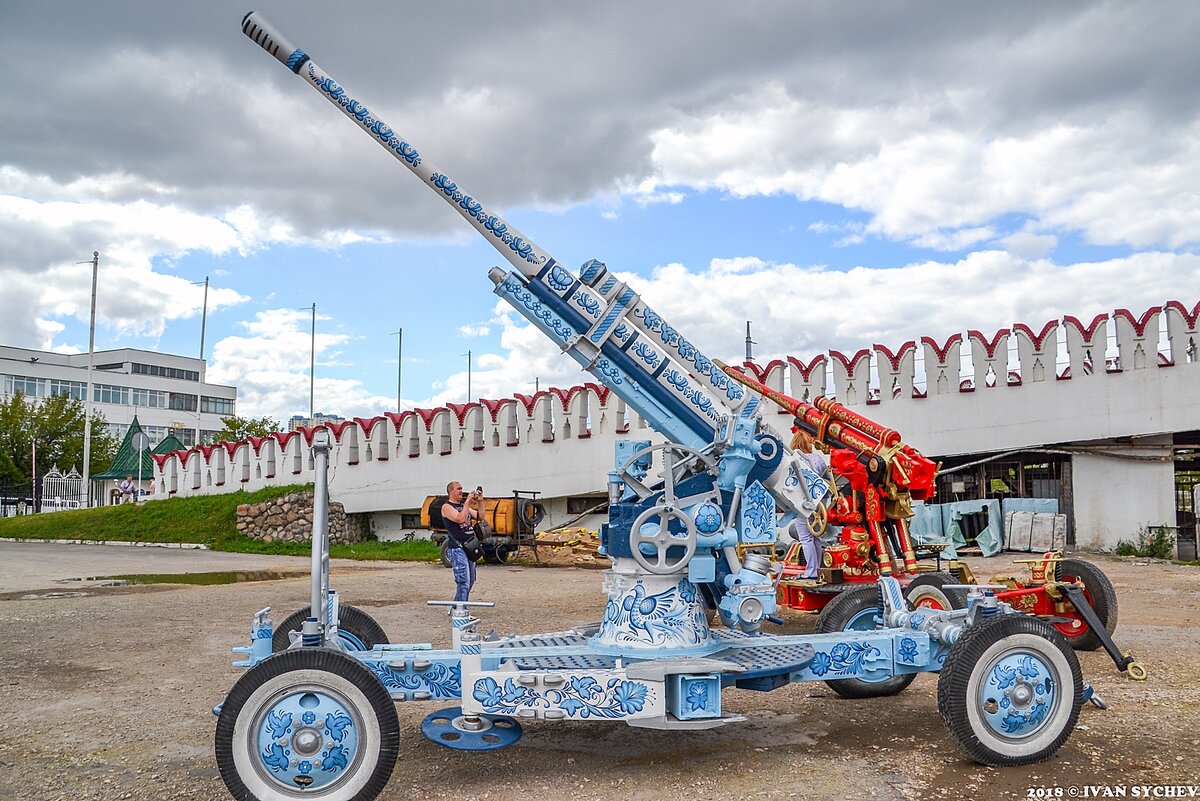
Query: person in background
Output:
(802,443)
(459,515)
(126,488)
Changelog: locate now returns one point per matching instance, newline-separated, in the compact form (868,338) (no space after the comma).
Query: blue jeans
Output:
(464,573)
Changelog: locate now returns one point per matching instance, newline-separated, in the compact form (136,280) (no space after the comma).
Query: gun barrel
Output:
(522,253)
(596,319)
(834,424)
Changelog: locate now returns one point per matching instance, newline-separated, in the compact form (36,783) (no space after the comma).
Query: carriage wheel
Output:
(1099,593)
(307,723)
(1010,691)
(929,590)
(357,630)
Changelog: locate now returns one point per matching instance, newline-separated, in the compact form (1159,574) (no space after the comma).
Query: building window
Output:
(187,436)
(208,436)
(156,434)
(76,390)
(113,366)
(182,402)
(107,393)
(151,398)
(29,387)
(165,372)
(580,504)
(410,520)
(221,406)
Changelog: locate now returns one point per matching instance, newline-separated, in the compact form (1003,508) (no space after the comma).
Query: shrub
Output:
(1155,543)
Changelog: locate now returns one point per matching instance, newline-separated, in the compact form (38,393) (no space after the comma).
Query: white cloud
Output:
(1029,245)
(928,173)
(45,258)
(803,310)
(270,368)
(473,330)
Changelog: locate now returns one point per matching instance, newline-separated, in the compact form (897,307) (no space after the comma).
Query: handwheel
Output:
(357,630)
(663,540)
(856,610)
(1010,691)
(676,461)
(929,590)
(307,723)
(1100,594)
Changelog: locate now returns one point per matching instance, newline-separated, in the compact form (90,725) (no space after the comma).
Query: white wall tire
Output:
(358,754)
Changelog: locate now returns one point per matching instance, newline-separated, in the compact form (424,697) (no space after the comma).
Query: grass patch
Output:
(204,519)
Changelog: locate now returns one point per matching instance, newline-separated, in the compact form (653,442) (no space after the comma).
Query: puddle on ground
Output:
(197,579)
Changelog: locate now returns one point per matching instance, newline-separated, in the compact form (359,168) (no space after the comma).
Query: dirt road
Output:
(108,690)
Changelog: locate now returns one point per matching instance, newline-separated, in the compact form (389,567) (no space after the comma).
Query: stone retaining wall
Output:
(289,519)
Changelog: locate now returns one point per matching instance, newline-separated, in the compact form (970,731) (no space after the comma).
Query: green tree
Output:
(238,428)
(55,424)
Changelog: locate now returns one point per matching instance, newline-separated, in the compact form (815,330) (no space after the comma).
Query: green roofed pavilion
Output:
(125,463)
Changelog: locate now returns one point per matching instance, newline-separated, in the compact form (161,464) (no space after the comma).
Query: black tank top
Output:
(458,532)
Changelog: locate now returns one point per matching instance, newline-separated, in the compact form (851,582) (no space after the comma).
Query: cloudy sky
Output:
(839,173)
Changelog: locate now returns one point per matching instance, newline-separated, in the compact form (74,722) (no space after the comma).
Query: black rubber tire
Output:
(931,586)
(444,551)
(325,670)
(1099,591)
(838,615)
(353,621)
(959,689)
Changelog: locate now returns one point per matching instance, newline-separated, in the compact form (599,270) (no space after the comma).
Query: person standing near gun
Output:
(802,443)
(464,549)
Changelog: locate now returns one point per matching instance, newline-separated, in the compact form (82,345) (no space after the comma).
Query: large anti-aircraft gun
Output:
(685,516)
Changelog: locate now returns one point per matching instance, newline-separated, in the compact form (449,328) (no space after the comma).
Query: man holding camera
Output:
(459,514)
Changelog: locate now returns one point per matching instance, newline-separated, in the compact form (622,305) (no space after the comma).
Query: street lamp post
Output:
(468,376)
(312,365)
(87,401)
(140,443)
(399,365)
(203,326)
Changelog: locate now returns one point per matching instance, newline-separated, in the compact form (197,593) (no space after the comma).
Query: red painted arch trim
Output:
(894,359)
(942,352)
(1139,324)
(1088,332)
(1038,340)
(989,345)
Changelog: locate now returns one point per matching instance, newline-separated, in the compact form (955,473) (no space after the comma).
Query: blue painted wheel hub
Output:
(1019,695)
(307,739)
(450,728)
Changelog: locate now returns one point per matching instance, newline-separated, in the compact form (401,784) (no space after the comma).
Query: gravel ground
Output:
(109,692)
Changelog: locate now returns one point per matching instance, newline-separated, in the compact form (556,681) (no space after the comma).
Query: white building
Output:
(1102,416)
(166,392)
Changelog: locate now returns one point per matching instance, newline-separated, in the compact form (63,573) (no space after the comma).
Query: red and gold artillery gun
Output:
(879,477)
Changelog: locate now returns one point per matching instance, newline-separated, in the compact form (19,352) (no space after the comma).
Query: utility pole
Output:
(203,320)
(203,325)
(312,366)
(468,376)
(87,401)
(399,365)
